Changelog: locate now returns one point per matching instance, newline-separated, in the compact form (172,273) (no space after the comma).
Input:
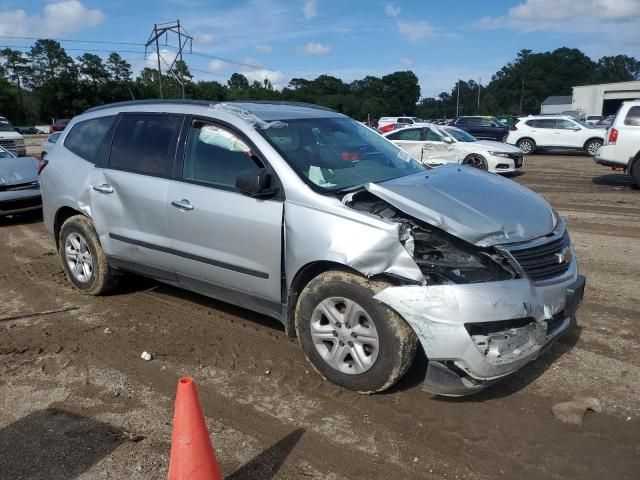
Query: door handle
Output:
(183,204)
(104,188)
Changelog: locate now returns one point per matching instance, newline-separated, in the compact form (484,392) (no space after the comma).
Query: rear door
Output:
(543,131)
(129,194)
(226,244)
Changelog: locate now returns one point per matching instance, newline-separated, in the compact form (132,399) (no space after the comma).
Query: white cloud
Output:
(414,31)
(57,18)
(310,8)
(166,58)
(392,10)
(407,62)
(263,48)
(216,66)
(252,61)
(276,78)
(537,10)
(203,38)
(313,48)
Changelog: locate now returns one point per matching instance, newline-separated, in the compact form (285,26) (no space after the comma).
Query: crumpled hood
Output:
(478,207)
(14,171)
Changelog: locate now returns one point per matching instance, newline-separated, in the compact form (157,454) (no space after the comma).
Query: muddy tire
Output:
(82,257)
(351,339)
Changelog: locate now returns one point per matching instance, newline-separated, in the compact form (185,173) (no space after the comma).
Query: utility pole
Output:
(521,95)
(160,29)
(458,100)
(479,87)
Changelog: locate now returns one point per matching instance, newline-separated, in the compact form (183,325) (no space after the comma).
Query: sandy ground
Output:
(77,402)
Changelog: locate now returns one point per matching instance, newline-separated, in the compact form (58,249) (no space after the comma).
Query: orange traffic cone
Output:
(192,455)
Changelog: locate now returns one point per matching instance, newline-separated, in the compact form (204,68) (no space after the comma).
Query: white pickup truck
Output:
(10,139)
(621,148)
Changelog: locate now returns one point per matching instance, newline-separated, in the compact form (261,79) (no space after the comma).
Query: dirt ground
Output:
(77,401)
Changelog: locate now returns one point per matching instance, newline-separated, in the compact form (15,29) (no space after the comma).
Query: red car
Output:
(59,125)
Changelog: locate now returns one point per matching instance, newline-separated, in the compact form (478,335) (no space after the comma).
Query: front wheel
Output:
(505,137)
(82,256)
(592,146)
(351,339)
(476,161)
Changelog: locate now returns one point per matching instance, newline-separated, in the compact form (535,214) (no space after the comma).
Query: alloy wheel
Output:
(344,335)
(78,257)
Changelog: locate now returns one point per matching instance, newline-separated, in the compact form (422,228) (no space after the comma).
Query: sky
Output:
(281,39)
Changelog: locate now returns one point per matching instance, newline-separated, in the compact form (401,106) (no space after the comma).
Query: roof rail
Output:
(130,103)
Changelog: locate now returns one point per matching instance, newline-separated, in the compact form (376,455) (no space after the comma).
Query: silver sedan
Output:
(19,184)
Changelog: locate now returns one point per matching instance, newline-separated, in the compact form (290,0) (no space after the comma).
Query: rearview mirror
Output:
(255,183)
(447,139)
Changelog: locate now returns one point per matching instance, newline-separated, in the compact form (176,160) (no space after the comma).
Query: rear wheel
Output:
(476,161)
(592,146)
(351,339)
(504,138)
(527,146)
(635,171)
(82,256)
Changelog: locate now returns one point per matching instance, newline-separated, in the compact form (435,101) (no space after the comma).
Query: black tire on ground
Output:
(397,341)
(102,278)
(477,161)
(504,138)
(527,146)
(592,145)
(635,171)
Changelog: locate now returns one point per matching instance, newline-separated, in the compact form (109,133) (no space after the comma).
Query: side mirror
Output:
(255,183)
(447,139)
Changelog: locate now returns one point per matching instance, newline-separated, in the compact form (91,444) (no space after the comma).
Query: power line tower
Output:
(160,29)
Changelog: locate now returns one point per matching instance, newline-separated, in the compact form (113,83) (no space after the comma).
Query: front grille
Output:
(7,143)
(18,186)
(543,261)
(20,203)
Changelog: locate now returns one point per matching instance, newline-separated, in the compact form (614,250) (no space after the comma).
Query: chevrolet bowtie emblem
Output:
(565,255)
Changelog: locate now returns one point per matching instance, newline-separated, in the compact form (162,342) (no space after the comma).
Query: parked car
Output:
(554,133)
(592,120)
(386,124)
(484,128)
(10,139)
(434,145)
(19,186)
(621,147)
(59,125)
(27,130)
(305,215)
(48,143)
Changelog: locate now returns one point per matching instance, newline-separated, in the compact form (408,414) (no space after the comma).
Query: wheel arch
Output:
(601,140)
(62,215)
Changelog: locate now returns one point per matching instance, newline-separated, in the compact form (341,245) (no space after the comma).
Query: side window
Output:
(411,134)
(404,120)
(565,125)
(216,156)
(485,122)
(54,138)
(430,136)
(86,138)
(475,121)
(145,143)
(633,117)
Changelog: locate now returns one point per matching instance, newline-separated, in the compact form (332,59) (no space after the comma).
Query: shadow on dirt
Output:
(22,219)
(266,465)
(614,180)
(54,444)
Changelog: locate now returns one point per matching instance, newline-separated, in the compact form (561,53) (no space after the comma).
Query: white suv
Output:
(386,124)
(621,147)
(555,133)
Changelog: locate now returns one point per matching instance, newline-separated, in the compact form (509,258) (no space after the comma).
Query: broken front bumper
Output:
(478,333)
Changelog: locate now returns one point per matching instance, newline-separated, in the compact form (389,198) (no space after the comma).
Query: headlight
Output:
(20,142)
(446,259)
(500,154)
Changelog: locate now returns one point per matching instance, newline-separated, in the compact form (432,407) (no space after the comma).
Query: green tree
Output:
(16,68)
(118,69)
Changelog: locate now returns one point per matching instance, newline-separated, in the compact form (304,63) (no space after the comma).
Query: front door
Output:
(435,151)
(568,134)
(225,243)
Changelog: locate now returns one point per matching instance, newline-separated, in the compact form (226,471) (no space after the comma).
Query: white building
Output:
(556,104)
(605,98)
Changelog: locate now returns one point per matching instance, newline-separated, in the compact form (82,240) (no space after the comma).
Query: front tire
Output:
(592,146)
(351,339)
(476,161)
(82,256)
(527,146)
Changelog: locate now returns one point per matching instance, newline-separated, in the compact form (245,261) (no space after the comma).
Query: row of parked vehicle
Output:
(360,249)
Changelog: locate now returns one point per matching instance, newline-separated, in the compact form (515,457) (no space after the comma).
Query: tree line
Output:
(45,83)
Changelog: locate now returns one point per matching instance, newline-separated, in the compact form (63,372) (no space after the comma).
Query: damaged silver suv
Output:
(307,216)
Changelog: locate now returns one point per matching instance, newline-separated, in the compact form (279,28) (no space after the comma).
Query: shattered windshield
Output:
(339,153)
